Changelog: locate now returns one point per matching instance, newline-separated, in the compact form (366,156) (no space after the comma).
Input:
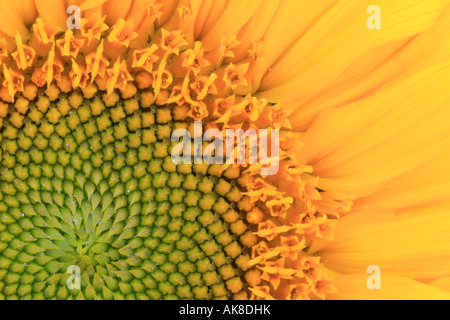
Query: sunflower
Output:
(92,92)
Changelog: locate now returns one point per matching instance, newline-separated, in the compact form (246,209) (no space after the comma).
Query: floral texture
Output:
(86,176)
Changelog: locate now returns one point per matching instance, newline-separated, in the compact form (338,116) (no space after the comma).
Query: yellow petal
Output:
(53,12)
(356,149)
(208,14)
(424,186)
(255,28)
(337,39)
(413,244)
(26,10)
(296,16)
(378,69)
(91,4)
(442,283)
(354,287)
(231,20)
(16,16)
(138,11)
(356,82)
(167,9)
(115,10)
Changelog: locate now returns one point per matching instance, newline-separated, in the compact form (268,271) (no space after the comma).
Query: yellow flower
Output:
(87,179)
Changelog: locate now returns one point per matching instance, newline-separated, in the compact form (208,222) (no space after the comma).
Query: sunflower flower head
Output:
(87,178)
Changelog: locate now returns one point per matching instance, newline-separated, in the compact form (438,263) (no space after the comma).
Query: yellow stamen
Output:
(145,58)
(261,293)
(77,75)
(207,86)
(69,46)
(96,63)
(13,81)
(22,60)
(118,76)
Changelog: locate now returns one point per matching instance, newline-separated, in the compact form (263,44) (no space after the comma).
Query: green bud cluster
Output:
(96,188)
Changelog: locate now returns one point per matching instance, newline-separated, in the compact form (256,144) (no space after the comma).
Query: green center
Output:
(95,187)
